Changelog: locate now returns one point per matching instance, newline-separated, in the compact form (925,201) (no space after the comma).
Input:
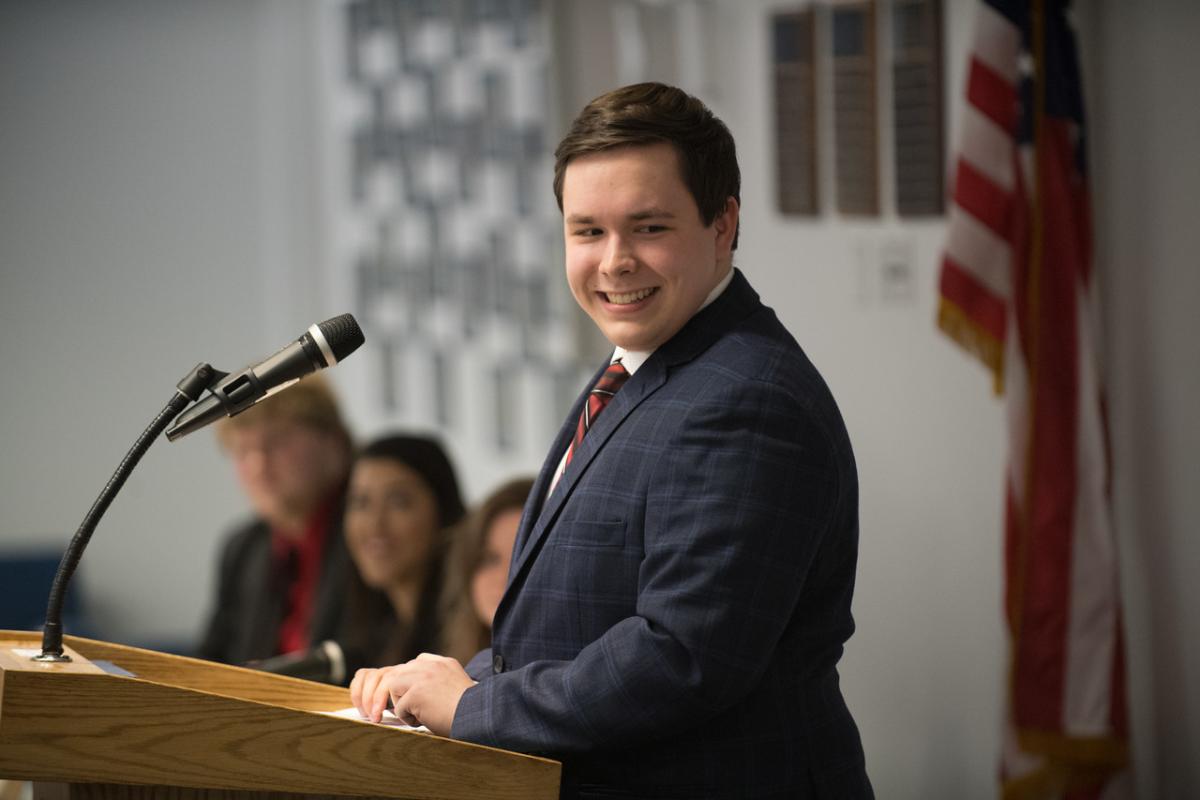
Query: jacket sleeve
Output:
(229,607)
(746,485)
(216,636)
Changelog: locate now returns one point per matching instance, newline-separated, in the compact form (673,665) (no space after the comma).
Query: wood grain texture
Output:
(194,673)
(111,791)
(206,726)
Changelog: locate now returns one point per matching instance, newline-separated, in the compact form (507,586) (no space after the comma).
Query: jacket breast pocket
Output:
(591,534)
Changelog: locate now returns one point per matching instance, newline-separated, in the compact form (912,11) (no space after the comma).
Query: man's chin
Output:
(636,338)
(635,344)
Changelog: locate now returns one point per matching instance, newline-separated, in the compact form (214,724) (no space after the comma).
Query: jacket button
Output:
(497,664)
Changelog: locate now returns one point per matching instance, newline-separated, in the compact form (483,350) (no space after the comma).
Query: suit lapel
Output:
(647,380)
(537,495)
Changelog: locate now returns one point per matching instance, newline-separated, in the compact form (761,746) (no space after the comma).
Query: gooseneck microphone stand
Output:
(322,345)
(189,390)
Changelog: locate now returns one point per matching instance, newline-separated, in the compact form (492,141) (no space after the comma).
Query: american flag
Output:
(1018,291)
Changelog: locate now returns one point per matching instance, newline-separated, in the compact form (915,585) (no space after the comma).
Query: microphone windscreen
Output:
(343,335)
(325,662)
(309,665)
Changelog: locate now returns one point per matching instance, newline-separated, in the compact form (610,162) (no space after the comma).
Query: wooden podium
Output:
(120,722)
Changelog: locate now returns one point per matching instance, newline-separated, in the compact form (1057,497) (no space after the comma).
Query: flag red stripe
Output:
(993,95)
(1053,469)
(981,305)
(980,197)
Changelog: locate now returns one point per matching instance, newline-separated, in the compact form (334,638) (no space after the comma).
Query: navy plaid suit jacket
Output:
(677,606)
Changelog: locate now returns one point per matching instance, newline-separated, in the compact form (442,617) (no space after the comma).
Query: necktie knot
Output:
(598,398)
(613,379)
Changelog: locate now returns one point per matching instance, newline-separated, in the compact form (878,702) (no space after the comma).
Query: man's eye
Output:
(585,232)
(652,228)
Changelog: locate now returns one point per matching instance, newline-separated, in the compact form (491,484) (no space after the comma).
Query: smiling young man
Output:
(640,258)
(680,587)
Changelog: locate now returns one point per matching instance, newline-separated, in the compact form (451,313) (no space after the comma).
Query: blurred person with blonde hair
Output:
(282,575)
(477,569)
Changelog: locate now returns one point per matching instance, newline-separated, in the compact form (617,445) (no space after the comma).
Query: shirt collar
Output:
(632,360)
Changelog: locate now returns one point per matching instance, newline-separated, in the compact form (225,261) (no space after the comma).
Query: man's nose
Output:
(618,257)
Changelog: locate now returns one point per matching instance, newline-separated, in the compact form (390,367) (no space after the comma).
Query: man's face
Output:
(639,259)
(285,468)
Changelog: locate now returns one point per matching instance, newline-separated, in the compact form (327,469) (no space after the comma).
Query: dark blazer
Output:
(677,606)
(251,595)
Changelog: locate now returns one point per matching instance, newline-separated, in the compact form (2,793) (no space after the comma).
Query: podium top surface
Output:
(118,714)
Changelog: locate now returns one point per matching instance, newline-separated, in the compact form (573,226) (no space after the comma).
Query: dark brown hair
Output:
(649,113)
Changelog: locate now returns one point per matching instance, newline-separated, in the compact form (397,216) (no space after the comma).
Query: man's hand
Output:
(424,691)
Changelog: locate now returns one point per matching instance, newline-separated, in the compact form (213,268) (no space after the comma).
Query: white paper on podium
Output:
(389,719)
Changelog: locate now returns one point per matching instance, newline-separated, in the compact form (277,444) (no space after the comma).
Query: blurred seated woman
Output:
(402,498)
(477,570)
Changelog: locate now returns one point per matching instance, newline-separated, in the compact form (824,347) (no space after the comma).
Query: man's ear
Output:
(726,226)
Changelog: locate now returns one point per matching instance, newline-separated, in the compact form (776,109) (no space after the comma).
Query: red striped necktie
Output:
(613,379)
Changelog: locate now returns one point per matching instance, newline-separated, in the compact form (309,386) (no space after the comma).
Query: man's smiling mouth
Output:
(625,298)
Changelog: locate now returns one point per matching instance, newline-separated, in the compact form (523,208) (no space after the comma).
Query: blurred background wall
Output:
(170,176)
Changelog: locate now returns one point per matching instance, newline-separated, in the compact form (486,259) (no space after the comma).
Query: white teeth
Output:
(629,297)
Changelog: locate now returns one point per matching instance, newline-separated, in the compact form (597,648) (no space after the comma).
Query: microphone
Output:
(321,346)
(327,662)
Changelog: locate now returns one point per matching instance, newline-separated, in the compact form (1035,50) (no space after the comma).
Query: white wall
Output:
(147,216)
(159,194)
(1145,112)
